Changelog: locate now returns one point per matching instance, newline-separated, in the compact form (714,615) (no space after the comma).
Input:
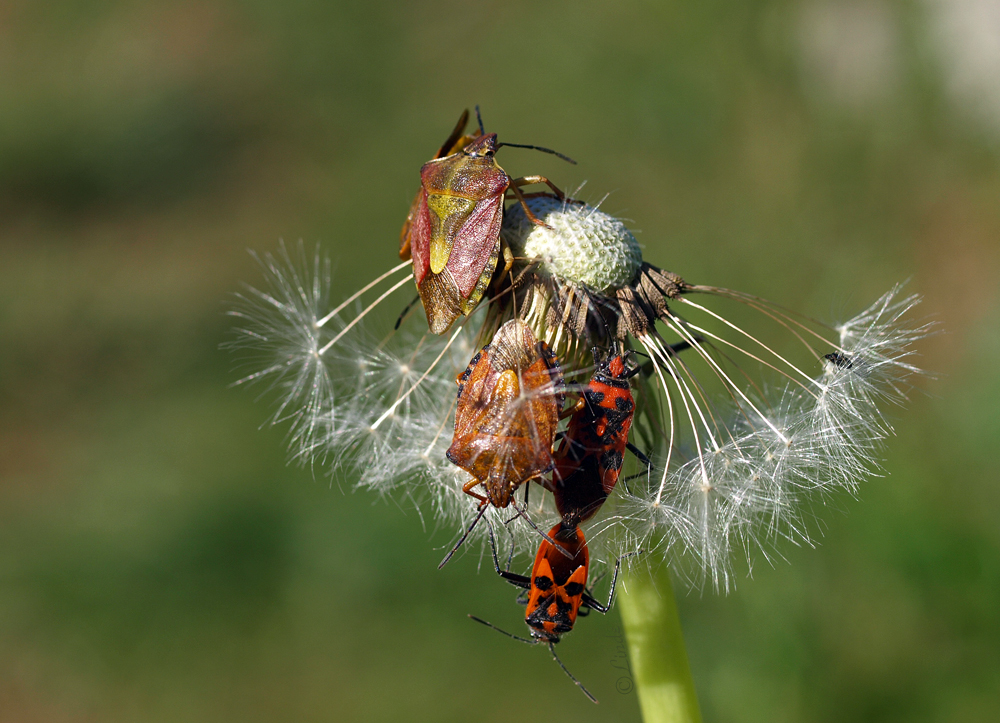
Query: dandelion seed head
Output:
(580,244)
(738,468)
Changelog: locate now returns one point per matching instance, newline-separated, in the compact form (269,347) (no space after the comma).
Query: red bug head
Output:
(484,146)
(616,366)
(612,367)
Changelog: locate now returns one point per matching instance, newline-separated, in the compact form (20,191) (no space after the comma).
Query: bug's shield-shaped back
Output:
(507,412)
(455,237)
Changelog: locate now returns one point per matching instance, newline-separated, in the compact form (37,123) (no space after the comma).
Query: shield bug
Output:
(589,458)
(509,399)
(453,233)
(557,589)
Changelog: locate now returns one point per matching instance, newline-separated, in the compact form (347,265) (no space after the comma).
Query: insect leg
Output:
(516,183)
(467,489)
(589,600)
(639,455)
(524,272)
(531,180)
(514,579)
(405,311)
(573,409)
(642,458)
(524,204)
(508,258)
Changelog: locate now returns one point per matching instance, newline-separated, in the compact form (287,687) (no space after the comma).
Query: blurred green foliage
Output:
(158,560)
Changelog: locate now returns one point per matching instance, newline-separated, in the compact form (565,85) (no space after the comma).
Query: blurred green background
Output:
(158,560)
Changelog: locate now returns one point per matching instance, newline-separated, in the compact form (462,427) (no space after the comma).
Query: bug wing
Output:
(476,244)
(441,300)
(464,196)
(472,414)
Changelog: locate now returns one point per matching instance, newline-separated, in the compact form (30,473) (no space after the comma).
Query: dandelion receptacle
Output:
(738,431)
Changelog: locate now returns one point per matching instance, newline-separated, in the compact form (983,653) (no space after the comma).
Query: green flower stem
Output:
(656,648)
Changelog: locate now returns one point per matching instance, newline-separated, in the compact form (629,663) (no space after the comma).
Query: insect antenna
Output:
(479,118)
(479,516)
(535,642)
(499,630)
(537,148)
(576,682)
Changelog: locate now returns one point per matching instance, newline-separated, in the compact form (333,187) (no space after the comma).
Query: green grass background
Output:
(159,561)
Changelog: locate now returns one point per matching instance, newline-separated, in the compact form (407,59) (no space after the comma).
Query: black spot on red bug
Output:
(542,582)
(611,460)
(552,613)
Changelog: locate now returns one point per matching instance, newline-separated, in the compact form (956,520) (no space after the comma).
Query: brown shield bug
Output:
(453,233)
(509,400)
